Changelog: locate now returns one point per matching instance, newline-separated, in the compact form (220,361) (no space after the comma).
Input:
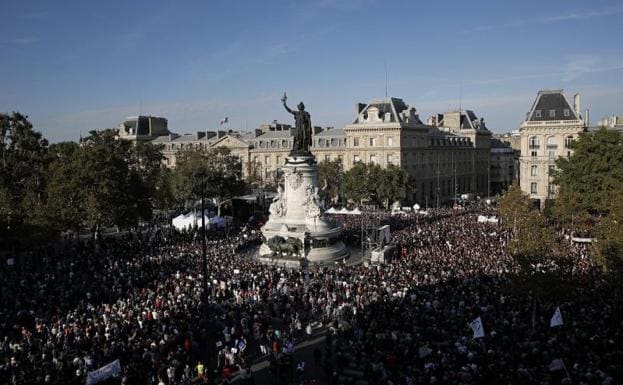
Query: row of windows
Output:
(273,144)
(534,188)
(373,142)
(552,113)
(374,159)
(534,142)
(534,170)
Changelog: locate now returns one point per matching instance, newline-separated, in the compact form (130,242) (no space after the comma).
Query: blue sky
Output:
(73,66)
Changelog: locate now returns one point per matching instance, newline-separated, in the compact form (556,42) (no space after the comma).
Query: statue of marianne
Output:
(303,128)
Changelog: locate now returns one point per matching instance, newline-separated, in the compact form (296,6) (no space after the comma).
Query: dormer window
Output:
(552,113)
(537,113)
(567,112)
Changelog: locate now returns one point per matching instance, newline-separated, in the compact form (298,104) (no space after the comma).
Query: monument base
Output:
(297,235)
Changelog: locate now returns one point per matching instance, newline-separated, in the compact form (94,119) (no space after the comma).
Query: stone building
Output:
(550,126)
(504,166)
(142,127)
(447,157)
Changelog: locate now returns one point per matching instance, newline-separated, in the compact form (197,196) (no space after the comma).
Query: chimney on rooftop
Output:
(576,103)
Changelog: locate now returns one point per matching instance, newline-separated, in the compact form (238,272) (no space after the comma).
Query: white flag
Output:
(476,326)
(556,318)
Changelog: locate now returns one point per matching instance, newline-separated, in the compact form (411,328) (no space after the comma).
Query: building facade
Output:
(447,157)
(504,166)
(546,133)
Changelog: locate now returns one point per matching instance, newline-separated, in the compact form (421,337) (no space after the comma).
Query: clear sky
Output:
(73,66)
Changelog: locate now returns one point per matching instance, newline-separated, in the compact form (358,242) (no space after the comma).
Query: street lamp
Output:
(201,184)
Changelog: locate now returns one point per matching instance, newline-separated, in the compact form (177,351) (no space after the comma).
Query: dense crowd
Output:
(67,310)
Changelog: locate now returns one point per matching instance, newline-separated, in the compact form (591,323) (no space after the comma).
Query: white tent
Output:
(356,211)
(331,211)
(189,220)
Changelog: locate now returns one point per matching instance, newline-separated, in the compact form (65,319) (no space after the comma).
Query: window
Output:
(534,170)
(551,143)
(266,160)
(390,159)
(551,188)
(537,113)
(372,142)
(355,142)
(566,112)
(372,159)
(568,154)
(534,142)
(568,141)
(356,159)
(327,158)
(390,141)
(533,153)
(551,169)
(551,153)
(533,188)
(552,113)
(278,159)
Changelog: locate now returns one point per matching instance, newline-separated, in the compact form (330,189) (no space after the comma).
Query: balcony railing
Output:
(534,146)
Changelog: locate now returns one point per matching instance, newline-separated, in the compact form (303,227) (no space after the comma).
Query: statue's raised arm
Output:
(285,97)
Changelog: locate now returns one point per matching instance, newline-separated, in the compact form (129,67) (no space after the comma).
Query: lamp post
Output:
(201,179)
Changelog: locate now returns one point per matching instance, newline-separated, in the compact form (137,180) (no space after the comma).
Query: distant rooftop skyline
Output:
(73,66)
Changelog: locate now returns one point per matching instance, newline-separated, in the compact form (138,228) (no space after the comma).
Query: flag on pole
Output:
(224,120)
(556,318)
(477,328)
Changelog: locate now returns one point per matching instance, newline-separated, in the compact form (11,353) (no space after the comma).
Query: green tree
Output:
(393,184)
(214,174)
(23,163)
(588,179)
(609,233)
(532,240)
(65,189)
(357,186)
(331,179)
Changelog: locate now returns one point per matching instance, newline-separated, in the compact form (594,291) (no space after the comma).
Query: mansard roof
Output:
(551,100)
(397,109)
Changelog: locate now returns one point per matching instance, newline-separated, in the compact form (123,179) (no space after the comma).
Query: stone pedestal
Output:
(297,234)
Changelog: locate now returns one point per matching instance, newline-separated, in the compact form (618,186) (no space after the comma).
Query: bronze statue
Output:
(303,128)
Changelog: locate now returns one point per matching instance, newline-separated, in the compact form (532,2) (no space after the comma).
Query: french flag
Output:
(224,120)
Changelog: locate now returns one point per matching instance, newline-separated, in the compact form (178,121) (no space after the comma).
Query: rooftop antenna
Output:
(386,78)
(461,96)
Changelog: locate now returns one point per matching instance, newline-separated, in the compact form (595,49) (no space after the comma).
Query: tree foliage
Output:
(590,192)
(532,239)
(331,179)
(23,163)
(215,174)
(589,177)
(103,182)
(377,185)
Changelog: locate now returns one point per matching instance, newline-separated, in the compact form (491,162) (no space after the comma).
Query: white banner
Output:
(477,328)
(556,318)
(112,369)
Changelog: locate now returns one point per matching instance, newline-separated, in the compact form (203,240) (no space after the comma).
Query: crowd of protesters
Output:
(68,310)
